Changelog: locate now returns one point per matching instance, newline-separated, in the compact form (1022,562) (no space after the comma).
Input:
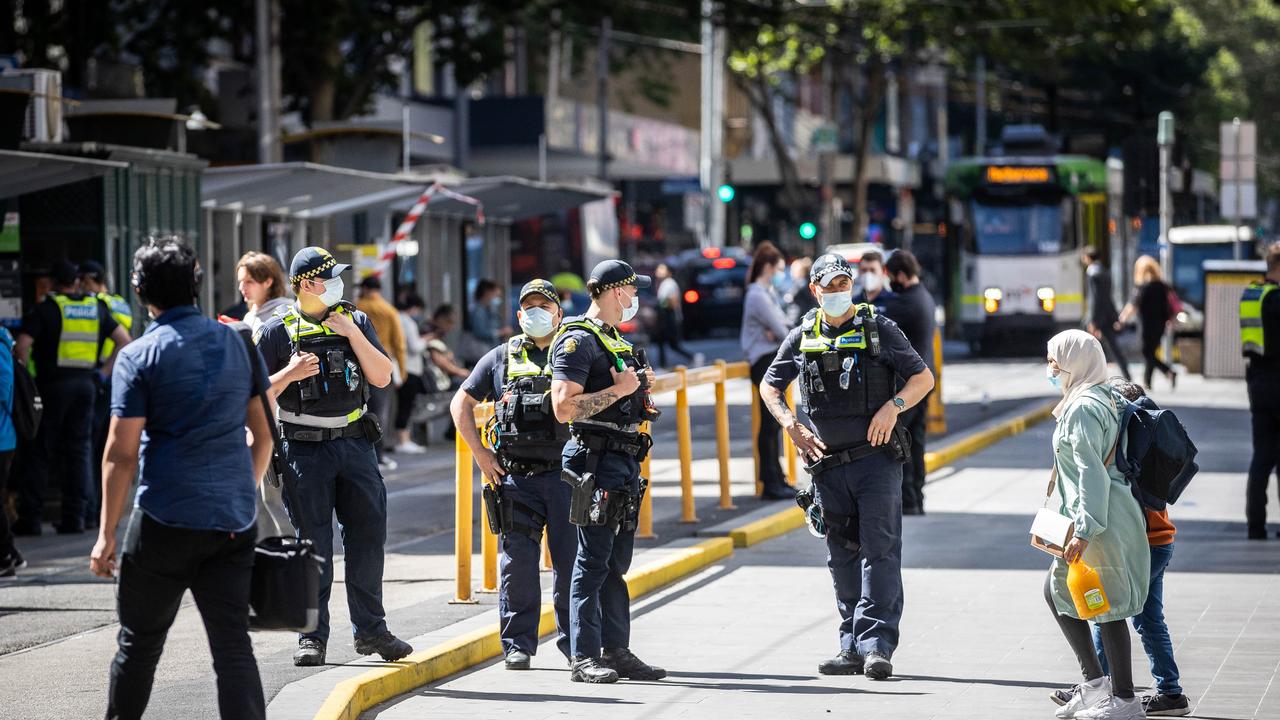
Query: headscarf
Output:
(1082,362)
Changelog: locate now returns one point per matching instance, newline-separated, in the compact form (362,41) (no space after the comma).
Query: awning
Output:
(509,198)
(304,190)
(23,172)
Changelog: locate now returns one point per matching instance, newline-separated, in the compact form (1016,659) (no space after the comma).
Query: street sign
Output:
(1248,192)
(1237,166)
(824,139)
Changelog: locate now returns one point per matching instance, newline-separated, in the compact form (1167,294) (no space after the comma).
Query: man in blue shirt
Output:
(182,395)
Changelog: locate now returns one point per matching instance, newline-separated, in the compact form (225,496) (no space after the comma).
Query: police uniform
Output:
(602,460)
(328,439)
(847,374)
(528,440)
(1260,343)
(68,331)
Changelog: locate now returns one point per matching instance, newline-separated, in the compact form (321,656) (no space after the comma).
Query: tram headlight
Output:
(1048,299)
(991,298)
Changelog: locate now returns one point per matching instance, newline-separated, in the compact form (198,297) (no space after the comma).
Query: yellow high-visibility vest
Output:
(123,315)
(1252,334)
(81,325)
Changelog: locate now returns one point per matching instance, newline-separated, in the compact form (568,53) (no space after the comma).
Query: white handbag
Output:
(1050,530)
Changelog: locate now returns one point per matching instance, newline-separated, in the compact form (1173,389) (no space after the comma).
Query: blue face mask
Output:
(536,322)
(1055,379)
(781,282)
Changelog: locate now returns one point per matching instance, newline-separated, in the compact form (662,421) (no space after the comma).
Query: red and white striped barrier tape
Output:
(415,212)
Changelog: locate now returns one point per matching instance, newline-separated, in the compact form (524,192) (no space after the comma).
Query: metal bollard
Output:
(755,433)
(684,436)
(936,414)
(462,521)
(644,525)
(790,446)
(722,436)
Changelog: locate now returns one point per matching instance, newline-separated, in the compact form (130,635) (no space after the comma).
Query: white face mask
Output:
(631,310)
(332,294)
(536,322)
(835,304)
(872,281)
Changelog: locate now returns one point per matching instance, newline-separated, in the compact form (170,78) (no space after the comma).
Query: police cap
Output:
(314,263)
(92,268)
(828,267)
(612,274)
(541,287)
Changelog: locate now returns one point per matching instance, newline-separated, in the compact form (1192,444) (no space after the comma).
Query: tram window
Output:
(1031,229)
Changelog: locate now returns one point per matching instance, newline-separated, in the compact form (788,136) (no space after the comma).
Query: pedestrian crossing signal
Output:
(808,230)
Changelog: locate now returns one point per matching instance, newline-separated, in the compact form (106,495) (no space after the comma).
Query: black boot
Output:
(591,670)
(631,667)
(847,662)
(310,652)
(390,647)
(517,659)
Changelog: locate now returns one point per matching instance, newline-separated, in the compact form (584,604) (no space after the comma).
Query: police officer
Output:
(598,384)
(63,336)
(93,281)
(1260,341)
(323,355)
(848,360)
(527,441)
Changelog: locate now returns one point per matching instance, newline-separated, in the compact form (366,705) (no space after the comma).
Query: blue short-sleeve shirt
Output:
(191,378)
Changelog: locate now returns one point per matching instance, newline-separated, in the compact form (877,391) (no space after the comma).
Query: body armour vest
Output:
(629,411)
(1252,333)
(335,397)
(524,429)
(843,378)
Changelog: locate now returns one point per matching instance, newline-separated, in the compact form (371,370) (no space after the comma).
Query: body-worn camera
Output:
(336,362)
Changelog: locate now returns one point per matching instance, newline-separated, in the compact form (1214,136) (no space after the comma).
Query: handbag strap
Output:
(285,470)
(1111,456)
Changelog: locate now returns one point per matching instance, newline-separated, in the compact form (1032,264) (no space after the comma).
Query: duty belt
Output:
(898,447)
(311,434)
(637,446)
(607,427)
(529,467)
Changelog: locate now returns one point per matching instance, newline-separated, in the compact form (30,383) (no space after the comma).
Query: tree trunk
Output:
(760,95)
(323,86)
(870,110)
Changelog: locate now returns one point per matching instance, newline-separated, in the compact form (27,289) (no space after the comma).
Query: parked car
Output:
(713,282)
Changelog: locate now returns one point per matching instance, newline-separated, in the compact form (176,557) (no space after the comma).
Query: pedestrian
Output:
(415,345)
(912,307)
(1109,530)
(1151,304)
(764,325)
(670,316)
(386,323)
(1100,315)
(873,287)
(260,280)
(799,300)
(850,361)
(323,355)
(11,561)
(523,470)
(181,398)
(484,320)
(1260,342)
(598,384)
(443,365)
(93,281)
(62,339)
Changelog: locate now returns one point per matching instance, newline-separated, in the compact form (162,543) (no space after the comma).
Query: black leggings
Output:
(767,441)
(1115,643)
(408,391)
(1150,344)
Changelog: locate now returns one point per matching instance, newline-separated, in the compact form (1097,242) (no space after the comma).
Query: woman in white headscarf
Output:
(1110,534)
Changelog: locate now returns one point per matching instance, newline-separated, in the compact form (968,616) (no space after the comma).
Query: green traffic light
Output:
(725,192)
(808,230)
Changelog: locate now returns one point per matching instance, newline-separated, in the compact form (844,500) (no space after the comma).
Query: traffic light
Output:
(808,230)
(725,192)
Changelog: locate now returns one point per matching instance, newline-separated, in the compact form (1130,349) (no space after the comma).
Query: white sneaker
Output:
(1086,696)
(410,448)
(386,464)
(699,359)
(1114,708)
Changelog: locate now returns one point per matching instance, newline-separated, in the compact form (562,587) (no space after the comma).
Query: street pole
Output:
(264,41)
(980,107)
(602,95)
(716,230)
(1235,240)
(706,158)
(1164,139)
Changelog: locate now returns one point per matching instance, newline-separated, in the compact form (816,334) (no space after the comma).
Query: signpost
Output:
(1238,142)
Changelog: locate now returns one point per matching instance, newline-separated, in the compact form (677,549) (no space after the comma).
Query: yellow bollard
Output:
(462,521)
(684,435)
(755,433)
(790,446)
(488,551)
(644,525)
(722,437)
(546,552)
(936,415)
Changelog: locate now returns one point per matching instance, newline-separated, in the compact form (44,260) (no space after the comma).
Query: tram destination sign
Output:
(1019,174)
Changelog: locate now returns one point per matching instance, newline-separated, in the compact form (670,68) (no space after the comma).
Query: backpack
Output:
(27,405)
(1154,452)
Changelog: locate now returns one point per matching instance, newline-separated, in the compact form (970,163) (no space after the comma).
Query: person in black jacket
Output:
(913,308)
(1100,308)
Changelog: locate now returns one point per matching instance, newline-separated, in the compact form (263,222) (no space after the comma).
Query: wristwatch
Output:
(900,403)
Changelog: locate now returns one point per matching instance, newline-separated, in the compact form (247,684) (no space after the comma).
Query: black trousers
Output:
(6,533)
(1150,344)
(65,432)
(1111,347)
(913,473)
(669,336)
(768,440)
(158,564)
(1264,410)
(408,391)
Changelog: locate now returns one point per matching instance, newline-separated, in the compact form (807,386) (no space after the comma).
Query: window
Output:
(1029,229)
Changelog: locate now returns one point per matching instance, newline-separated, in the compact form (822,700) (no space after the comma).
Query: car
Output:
(714,283)
(853,252)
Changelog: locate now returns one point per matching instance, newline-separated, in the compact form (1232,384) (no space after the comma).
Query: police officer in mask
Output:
(524,466)
(598,384)
(323,355)
(848,360)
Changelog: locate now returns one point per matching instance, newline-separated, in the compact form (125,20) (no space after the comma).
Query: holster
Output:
(492,497)
(503,514)
(588,505)
(372,427)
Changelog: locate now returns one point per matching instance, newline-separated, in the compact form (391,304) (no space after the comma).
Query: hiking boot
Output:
(517,660)
(779,491)
(310,652)
(628,666)
(1114,708)
(390,647)
(1163,705)
(1085,695)
(591,670)
(847,662)
(877,666)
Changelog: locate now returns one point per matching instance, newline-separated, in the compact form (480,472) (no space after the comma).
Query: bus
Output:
(1016,226)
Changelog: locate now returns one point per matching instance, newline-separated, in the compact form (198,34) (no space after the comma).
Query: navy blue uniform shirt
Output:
(489,376)
(273,339)
(580,358)
(190,377)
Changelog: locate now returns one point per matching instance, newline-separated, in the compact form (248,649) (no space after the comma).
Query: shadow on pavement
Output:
(427,692)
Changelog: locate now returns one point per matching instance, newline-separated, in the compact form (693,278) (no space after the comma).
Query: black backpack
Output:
(1154,452)
(27,405)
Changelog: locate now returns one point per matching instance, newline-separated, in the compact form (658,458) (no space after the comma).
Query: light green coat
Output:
(1101,505)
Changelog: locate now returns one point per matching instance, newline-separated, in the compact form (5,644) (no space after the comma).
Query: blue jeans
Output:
(868,583)
(1152,628)
(341,477)
(599,604)
(519,589)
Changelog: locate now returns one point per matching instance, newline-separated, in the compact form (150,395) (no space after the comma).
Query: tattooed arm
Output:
(570,402)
